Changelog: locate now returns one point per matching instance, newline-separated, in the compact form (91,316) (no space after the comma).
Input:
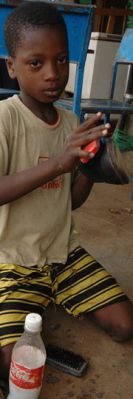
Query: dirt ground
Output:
(105,223)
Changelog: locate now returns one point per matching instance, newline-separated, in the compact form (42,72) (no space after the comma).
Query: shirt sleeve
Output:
(4,152)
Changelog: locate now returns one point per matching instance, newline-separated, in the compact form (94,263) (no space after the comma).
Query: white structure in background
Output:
(98,68)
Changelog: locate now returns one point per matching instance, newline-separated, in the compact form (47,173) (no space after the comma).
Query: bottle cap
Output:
(33,322)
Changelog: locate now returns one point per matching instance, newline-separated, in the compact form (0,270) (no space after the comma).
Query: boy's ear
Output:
(10,67)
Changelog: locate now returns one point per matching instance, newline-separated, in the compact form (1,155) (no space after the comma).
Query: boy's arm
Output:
(80,191)
(15,186)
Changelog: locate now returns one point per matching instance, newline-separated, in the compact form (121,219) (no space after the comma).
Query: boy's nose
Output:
(51,72)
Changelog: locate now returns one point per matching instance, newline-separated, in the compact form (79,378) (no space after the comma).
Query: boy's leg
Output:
(85,287)
(117,320)
(23,290)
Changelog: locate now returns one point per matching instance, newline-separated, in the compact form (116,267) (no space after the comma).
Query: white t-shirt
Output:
(37,228)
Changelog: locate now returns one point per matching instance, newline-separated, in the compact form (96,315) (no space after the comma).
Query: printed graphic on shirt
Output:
(53,184)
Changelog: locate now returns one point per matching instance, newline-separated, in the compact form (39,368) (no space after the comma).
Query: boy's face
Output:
(41,63)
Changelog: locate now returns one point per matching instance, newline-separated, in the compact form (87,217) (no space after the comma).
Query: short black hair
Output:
(33,14)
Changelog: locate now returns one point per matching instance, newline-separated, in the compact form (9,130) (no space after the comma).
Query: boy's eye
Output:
(35,63)
(63,59)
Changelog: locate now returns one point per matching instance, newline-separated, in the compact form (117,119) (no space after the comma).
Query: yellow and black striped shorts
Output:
(81,285)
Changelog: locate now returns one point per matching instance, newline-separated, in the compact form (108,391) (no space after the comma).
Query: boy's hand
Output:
(73,149)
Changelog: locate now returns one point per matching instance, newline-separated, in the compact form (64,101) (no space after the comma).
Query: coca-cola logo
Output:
(24,377)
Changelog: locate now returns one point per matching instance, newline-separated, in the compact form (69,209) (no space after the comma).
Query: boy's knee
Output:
(123,331)
(123,324)
(5,356)
(117,320)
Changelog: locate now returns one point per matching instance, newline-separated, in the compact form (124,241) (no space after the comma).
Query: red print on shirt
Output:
(52,184)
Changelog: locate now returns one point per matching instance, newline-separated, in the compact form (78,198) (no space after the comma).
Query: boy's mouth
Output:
(52,92)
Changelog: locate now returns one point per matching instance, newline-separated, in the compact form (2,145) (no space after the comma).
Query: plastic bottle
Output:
(92,147)
(27,362)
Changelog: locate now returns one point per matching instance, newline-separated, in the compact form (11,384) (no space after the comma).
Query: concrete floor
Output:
(105,223)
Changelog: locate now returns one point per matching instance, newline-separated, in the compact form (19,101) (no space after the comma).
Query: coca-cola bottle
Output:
(28,360)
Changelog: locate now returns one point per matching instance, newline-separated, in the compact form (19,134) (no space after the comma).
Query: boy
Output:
(40,148)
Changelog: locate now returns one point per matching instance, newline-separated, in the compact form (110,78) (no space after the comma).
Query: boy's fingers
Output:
(86,155)
(82,142)
(92,134)
(97,129)
(95,135)
(90,122)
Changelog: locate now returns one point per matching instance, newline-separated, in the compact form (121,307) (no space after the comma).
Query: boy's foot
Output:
(3,390)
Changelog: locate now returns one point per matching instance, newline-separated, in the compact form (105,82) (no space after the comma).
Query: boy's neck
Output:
(45,112)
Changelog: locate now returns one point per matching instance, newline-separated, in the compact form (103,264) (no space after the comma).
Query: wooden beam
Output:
(113,11)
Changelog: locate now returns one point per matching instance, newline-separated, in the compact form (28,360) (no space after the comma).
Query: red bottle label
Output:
(24,377)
